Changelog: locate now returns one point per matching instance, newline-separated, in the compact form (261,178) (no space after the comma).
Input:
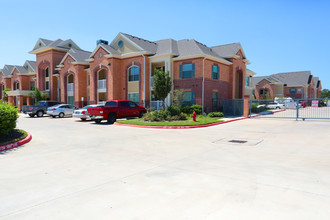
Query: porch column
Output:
(11,100)
(20,102)
(29,100)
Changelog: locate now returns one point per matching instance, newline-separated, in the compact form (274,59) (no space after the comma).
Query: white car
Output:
(275,105)
(61,110)
(82,113)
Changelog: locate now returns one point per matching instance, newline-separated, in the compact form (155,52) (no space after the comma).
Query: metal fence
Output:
(230,107)
(291,108)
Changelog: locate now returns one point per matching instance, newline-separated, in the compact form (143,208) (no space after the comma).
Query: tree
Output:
(38,95)
(177,97)
(162,84)
(325,93)
(5,95)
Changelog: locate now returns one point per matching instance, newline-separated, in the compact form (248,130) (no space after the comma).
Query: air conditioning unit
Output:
(102,42)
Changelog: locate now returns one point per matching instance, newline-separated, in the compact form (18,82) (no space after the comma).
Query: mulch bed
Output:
(14,136)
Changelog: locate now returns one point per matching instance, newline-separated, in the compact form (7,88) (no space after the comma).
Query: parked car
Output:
(272,105)
(39,109)
(303,104)
(61,110)
(82,113)
(114,109)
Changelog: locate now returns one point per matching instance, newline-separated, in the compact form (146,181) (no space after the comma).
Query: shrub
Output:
(8,117)
(255,109)
(216,114)
(163,115)
(197,109)
(174,110)
(191,109)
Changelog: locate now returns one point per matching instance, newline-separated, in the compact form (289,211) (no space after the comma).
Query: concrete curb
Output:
(27,139)
(179,127)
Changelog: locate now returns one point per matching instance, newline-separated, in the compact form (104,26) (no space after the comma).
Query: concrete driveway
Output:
(81,170)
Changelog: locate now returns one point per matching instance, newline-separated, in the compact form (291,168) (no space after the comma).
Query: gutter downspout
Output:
(144,79)
(203,85)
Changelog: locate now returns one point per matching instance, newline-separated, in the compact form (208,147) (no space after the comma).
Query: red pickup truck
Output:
(114,109)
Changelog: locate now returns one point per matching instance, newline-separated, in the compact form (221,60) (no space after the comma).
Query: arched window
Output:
(16,86)
(133,73)
(47,78)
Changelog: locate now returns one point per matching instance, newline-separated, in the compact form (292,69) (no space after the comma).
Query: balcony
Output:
(102,84)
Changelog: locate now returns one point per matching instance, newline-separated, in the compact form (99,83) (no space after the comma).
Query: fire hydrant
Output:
(194,116)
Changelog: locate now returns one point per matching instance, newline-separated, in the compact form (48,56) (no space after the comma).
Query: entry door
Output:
(70,100)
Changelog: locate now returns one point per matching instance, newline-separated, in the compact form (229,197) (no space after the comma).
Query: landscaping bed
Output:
(13,136)
(200,120)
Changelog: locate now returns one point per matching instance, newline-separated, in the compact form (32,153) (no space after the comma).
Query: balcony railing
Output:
(70,86)
(101,84)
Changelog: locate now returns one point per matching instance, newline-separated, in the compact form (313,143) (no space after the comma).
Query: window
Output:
(16,86)
(46,72)
(214,99)
(47,85)
(133,97)
(215,72)
(132,104)
(111,104)
(293,91)
(187,71)
(133,74)
(188,98)
(120,44)
(247,81)
(124,104)
(32,85)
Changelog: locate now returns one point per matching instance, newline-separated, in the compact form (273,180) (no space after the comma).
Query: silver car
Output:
(82,113)
(61,110)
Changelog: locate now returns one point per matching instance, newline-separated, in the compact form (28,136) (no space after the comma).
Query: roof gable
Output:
(228,50)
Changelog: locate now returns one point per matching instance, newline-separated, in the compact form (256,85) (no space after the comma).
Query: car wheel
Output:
(61,115)
(83,119)
(112,118)
(53,116)
(277,107)
(141,114)
(40,113)
(97,121)
(31,115)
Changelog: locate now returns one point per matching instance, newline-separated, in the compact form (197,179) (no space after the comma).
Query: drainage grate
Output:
(237,141)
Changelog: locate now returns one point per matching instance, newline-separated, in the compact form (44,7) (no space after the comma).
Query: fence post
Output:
(246,106)
(297,115)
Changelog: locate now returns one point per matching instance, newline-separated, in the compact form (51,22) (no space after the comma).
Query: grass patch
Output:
(15,135)
(201,120)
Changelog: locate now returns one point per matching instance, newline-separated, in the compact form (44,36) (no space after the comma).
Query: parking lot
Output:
(248,169)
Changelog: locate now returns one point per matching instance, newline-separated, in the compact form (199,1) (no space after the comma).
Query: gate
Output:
(230,107)
(291,108)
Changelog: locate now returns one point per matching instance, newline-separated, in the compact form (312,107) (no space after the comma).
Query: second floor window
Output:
(133,74)
(215,72)
(247,81)
(187,71)
(32,85)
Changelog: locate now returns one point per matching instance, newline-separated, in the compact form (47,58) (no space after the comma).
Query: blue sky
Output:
(277,36)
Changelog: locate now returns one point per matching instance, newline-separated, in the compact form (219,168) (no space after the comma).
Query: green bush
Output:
(8,117)
(255,109)
(216,114)
(174,110)
(191,109)
(163,115)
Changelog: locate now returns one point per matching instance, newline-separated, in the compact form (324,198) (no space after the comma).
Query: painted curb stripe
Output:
(27,139)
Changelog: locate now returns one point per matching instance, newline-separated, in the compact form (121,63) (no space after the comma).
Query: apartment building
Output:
(301,84)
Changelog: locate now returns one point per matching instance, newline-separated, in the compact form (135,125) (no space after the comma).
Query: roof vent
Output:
(102,42)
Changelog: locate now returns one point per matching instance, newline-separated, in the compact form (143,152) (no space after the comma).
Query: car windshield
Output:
(55,106)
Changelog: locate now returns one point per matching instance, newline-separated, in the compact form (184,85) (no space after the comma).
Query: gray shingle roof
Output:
(7,69)
(227,50)
(79,55)
(110,49)
(21,69)
(33,64)
(144,44)
(293,78)
(167,46)
(188,48)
